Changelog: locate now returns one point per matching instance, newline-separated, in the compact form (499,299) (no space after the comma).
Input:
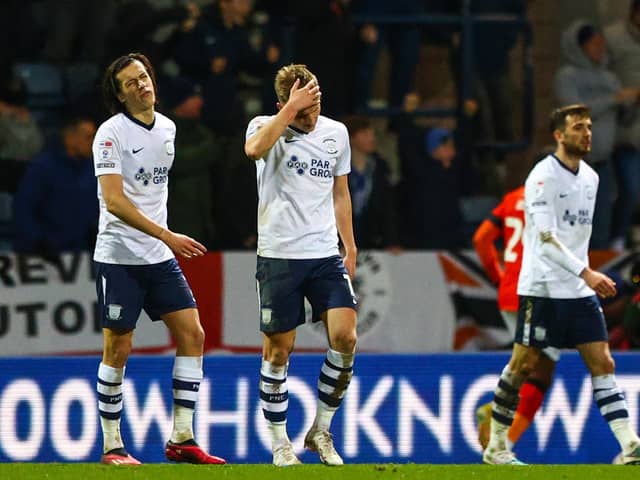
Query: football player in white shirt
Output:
(302,162)
(558,306)
(134,256)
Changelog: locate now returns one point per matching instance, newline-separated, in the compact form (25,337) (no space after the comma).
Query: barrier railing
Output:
(466,23)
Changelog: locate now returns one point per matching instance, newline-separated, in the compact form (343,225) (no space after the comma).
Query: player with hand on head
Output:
(135,256)
(302,161)
(558,306)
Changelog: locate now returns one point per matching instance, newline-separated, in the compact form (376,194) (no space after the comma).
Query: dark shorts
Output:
(283,284)
(560,323)
(124,290)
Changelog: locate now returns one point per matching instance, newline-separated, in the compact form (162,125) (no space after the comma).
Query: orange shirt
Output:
(507,221)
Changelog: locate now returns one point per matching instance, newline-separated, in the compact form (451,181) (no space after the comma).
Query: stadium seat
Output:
(80,79)
(44,84)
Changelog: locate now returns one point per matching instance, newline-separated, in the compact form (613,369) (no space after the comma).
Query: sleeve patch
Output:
(106,151)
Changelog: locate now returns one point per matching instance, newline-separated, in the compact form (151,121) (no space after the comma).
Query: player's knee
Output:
(608,365)
(525,363)
(345,342)
(195,336)
(191,338)
(117,352)
(278,356)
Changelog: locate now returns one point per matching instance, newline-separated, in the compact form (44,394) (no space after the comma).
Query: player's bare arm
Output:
(300,100)
(119,205)
(599,282)
(342,206)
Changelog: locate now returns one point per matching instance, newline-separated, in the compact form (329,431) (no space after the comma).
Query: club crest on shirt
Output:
(169,148)
(330,146)
(590,192)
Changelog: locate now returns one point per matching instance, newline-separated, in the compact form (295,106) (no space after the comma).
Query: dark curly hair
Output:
(110,85)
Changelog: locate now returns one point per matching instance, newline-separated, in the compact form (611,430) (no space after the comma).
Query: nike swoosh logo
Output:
(562,195)
(136,151)
(290,140)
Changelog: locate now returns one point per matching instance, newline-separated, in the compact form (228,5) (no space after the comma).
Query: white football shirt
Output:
(296,217)
(143,155)
(564,201)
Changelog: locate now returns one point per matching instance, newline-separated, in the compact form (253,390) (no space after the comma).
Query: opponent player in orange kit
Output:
(507,222)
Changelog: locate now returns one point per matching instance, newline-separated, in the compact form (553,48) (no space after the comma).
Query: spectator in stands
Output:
(329,58)
(584,78)
(492,88)
(431,184)
(372,192)
(492,45)
(403,42)
(190,206)
(20,136)
(77,30)
(137,23)
(56,207)
(22,34)
(623,40)
(213,53)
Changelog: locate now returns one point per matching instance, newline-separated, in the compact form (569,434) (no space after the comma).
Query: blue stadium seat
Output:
(44,84)
(80,79)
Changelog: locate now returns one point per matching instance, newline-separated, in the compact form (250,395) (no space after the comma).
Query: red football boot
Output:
(118,456)
(190,452)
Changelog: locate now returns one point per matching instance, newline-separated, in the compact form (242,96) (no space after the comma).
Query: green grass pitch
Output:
(82,471)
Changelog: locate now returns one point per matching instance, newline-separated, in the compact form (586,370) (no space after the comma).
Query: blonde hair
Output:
(286,77)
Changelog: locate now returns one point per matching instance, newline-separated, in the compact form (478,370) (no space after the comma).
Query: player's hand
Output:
(304,97)
(350,263)
(182,245)
(603,285)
